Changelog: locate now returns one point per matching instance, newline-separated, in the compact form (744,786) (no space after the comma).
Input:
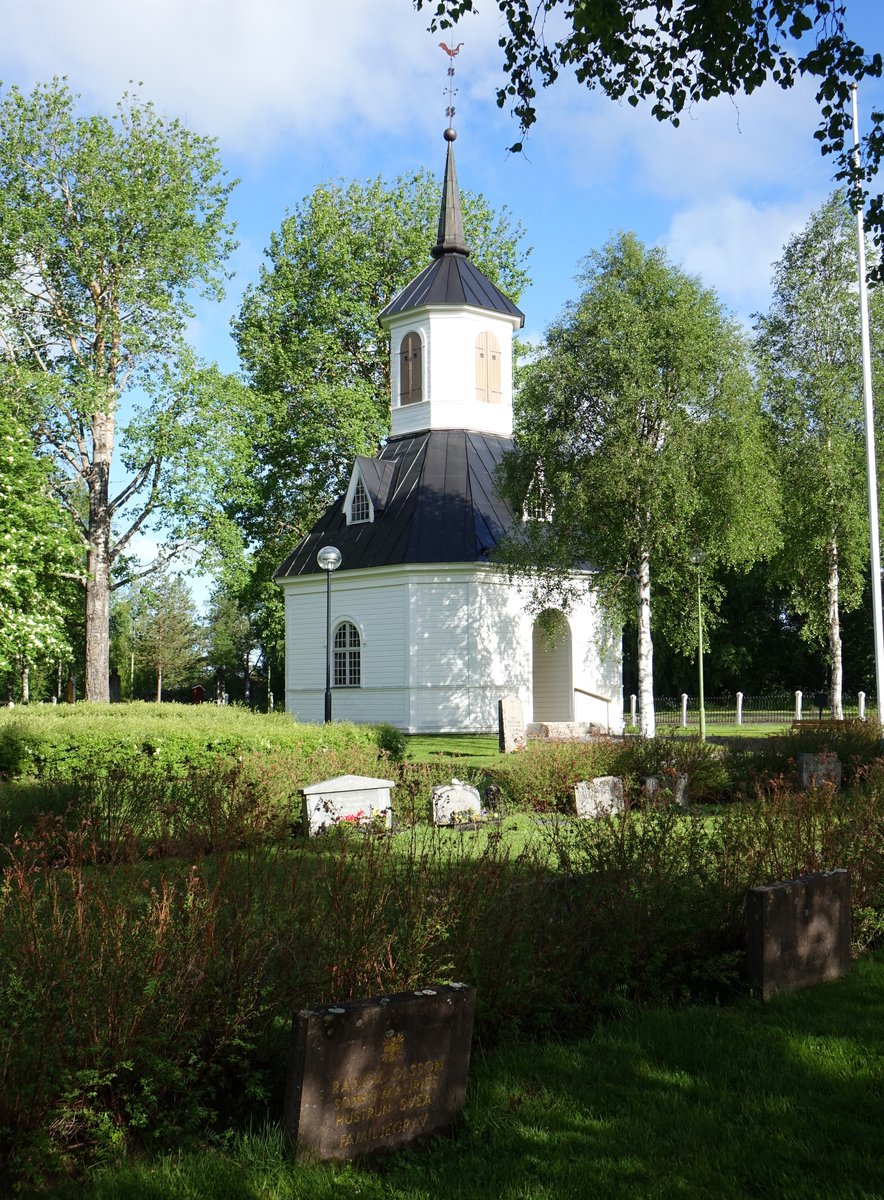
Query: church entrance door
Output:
(551,673)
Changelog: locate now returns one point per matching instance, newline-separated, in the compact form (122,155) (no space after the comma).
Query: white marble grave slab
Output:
(351,798)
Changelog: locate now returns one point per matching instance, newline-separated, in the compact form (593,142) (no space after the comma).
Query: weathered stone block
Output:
(798,932)
(370,1075)
(676,785)
(351,798)
(455,802)
(599,797)
(819,770)
(511,734)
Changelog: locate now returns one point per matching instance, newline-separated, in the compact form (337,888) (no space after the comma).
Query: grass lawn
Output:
(781,1101)
(480,750)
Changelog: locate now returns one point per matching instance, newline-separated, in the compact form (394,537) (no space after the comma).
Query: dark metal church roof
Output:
(451,278)
(439,506)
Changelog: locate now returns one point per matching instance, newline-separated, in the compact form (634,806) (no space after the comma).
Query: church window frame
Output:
(488,359)
(411,369)
(360,511)
(346,655)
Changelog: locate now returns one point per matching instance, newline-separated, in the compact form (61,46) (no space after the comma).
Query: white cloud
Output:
(731,243)
(252,73)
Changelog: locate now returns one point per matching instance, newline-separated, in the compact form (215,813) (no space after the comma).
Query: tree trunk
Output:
(159,685)
(25,683)
(834,633)
(97,681)
(647,719)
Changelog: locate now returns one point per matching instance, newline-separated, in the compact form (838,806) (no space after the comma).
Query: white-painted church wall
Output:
(440,646)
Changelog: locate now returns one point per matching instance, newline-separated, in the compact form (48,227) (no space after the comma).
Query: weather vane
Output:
(452,90)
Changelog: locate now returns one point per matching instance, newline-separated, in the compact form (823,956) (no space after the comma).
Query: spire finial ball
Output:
(450,134)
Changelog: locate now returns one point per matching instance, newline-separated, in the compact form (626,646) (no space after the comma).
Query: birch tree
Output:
(809,344)
(107,229)
(638,430)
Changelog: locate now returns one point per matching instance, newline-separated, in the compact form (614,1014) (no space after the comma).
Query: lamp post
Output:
(329,559)
(697,556)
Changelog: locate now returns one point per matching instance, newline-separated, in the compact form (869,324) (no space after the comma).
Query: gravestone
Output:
(676,785)
(798,932)
(599,797)
(820,770)
(352,799)
(370,1075)
(455,802)
(511,733)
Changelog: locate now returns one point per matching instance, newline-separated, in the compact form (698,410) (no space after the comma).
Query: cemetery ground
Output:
(161,919)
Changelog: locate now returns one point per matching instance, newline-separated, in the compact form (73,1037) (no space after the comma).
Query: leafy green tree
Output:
(639,430)
(673,55)
(167,635)
(312,349)
(39,553)
(809,345)
(109,226)
(231,642)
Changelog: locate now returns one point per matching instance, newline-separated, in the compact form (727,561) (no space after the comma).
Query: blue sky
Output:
(298,92)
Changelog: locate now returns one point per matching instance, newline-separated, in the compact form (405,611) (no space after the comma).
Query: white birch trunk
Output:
(834,633)
(647,719)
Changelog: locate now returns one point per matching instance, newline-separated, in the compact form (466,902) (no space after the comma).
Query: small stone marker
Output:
(818,770)
(455,802)
(599,797)
(355,799)
(511,733)
(798,932)
(369,1075)
(676,785)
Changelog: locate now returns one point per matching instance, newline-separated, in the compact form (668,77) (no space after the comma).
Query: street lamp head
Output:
(329,558)
(697,556)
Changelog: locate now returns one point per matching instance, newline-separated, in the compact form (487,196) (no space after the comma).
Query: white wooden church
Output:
(427,632)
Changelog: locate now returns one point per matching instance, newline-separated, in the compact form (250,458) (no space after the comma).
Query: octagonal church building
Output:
(428,632)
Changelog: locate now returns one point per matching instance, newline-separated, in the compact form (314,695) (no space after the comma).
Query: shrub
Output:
(391,740)
(542,776)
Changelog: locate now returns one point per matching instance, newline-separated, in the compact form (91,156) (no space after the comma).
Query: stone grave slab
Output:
(676,785)
(455,803)
(372,1075)
(511,732)
(798,932)
(356,799)
(599,797)
(820,770)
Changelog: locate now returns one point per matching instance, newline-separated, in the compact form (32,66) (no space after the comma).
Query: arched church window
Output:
(410,370)
(360,505)
(487,368)
(347,656)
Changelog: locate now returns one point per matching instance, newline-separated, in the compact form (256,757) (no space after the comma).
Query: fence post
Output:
(633,700)
(739,708)
(798,698)
(862,706)
(684,710)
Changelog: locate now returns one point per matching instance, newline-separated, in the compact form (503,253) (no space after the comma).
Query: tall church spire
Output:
(450,238)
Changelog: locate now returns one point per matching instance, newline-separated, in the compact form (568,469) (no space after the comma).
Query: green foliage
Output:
(122,220)
(673,56)
(66,743)
(640,423)
(809,346)
(37,547)
(391,740)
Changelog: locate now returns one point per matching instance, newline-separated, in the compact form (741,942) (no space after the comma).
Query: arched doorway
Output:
(551,670)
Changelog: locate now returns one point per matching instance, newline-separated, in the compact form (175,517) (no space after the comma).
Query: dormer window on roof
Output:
(360,505)
(410,370)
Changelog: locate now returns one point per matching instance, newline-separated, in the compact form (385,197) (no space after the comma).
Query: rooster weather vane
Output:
(452,90)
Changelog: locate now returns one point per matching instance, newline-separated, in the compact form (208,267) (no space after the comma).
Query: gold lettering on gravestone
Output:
(386,1103)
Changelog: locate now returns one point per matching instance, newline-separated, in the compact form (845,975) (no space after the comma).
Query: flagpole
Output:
(869,414)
